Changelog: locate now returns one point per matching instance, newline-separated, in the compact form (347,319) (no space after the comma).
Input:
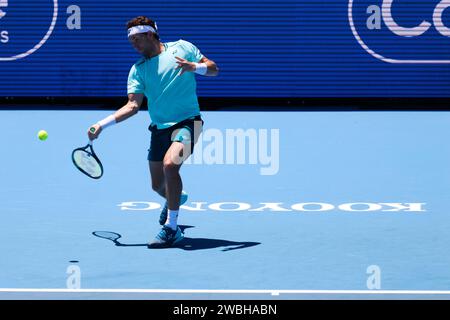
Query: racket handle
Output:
(92,130)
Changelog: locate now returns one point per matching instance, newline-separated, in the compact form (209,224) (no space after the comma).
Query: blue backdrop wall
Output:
(286,48)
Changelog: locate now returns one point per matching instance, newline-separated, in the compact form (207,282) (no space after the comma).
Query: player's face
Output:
(139,42)
(145,43)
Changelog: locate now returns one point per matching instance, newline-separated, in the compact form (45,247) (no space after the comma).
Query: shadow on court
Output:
(185,244)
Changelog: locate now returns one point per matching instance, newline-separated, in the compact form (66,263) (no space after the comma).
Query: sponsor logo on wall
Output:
(23,31)
(408,32)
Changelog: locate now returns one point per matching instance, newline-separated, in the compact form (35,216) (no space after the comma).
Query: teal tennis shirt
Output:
(171,97)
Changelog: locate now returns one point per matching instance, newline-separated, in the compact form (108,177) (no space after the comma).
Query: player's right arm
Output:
(130,109)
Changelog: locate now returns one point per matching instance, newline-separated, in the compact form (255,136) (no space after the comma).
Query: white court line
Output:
(272,292)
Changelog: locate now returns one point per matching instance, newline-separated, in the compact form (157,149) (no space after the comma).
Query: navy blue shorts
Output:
(186,131)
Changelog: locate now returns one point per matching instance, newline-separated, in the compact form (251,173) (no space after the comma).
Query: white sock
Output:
(172,217)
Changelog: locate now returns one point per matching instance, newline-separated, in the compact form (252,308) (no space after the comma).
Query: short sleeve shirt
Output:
(171,97)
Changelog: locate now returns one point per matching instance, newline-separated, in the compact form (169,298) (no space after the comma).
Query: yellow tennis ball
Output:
(43,135)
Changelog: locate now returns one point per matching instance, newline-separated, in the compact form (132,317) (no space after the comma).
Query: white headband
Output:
(140,29)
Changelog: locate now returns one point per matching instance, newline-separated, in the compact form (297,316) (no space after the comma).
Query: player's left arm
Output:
(186,66)
(213,70)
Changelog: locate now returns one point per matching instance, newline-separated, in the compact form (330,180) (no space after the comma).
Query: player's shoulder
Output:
(180,43)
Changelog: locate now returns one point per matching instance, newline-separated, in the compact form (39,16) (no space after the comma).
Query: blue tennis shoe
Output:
(163,215)
(166,238)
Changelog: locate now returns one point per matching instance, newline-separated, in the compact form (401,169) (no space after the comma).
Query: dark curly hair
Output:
(143,21)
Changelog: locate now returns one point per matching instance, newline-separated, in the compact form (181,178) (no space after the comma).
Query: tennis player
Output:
(166,76)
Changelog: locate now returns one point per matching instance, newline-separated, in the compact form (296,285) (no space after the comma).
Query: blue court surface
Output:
(310,205)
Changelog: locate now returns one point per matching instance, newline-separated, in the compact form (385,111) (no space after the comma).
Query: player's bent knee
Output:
(175,154)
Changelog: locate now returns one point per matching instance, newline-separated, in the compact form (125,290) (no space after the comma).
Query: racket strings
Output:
(86,162)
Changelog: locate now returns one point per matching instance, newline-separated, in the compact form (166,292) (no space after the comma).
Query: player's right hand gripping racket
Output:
(86,161)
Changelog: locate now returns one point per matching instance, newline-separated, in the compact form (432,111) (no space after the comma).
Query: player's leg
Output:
(159,186)
(171,166)
(171,232)
(173,159)
(183,140)
(157,177)
(159,144)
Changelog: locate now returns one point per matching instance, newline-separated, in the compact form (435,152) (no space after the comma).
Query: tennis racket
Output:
(87,161)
